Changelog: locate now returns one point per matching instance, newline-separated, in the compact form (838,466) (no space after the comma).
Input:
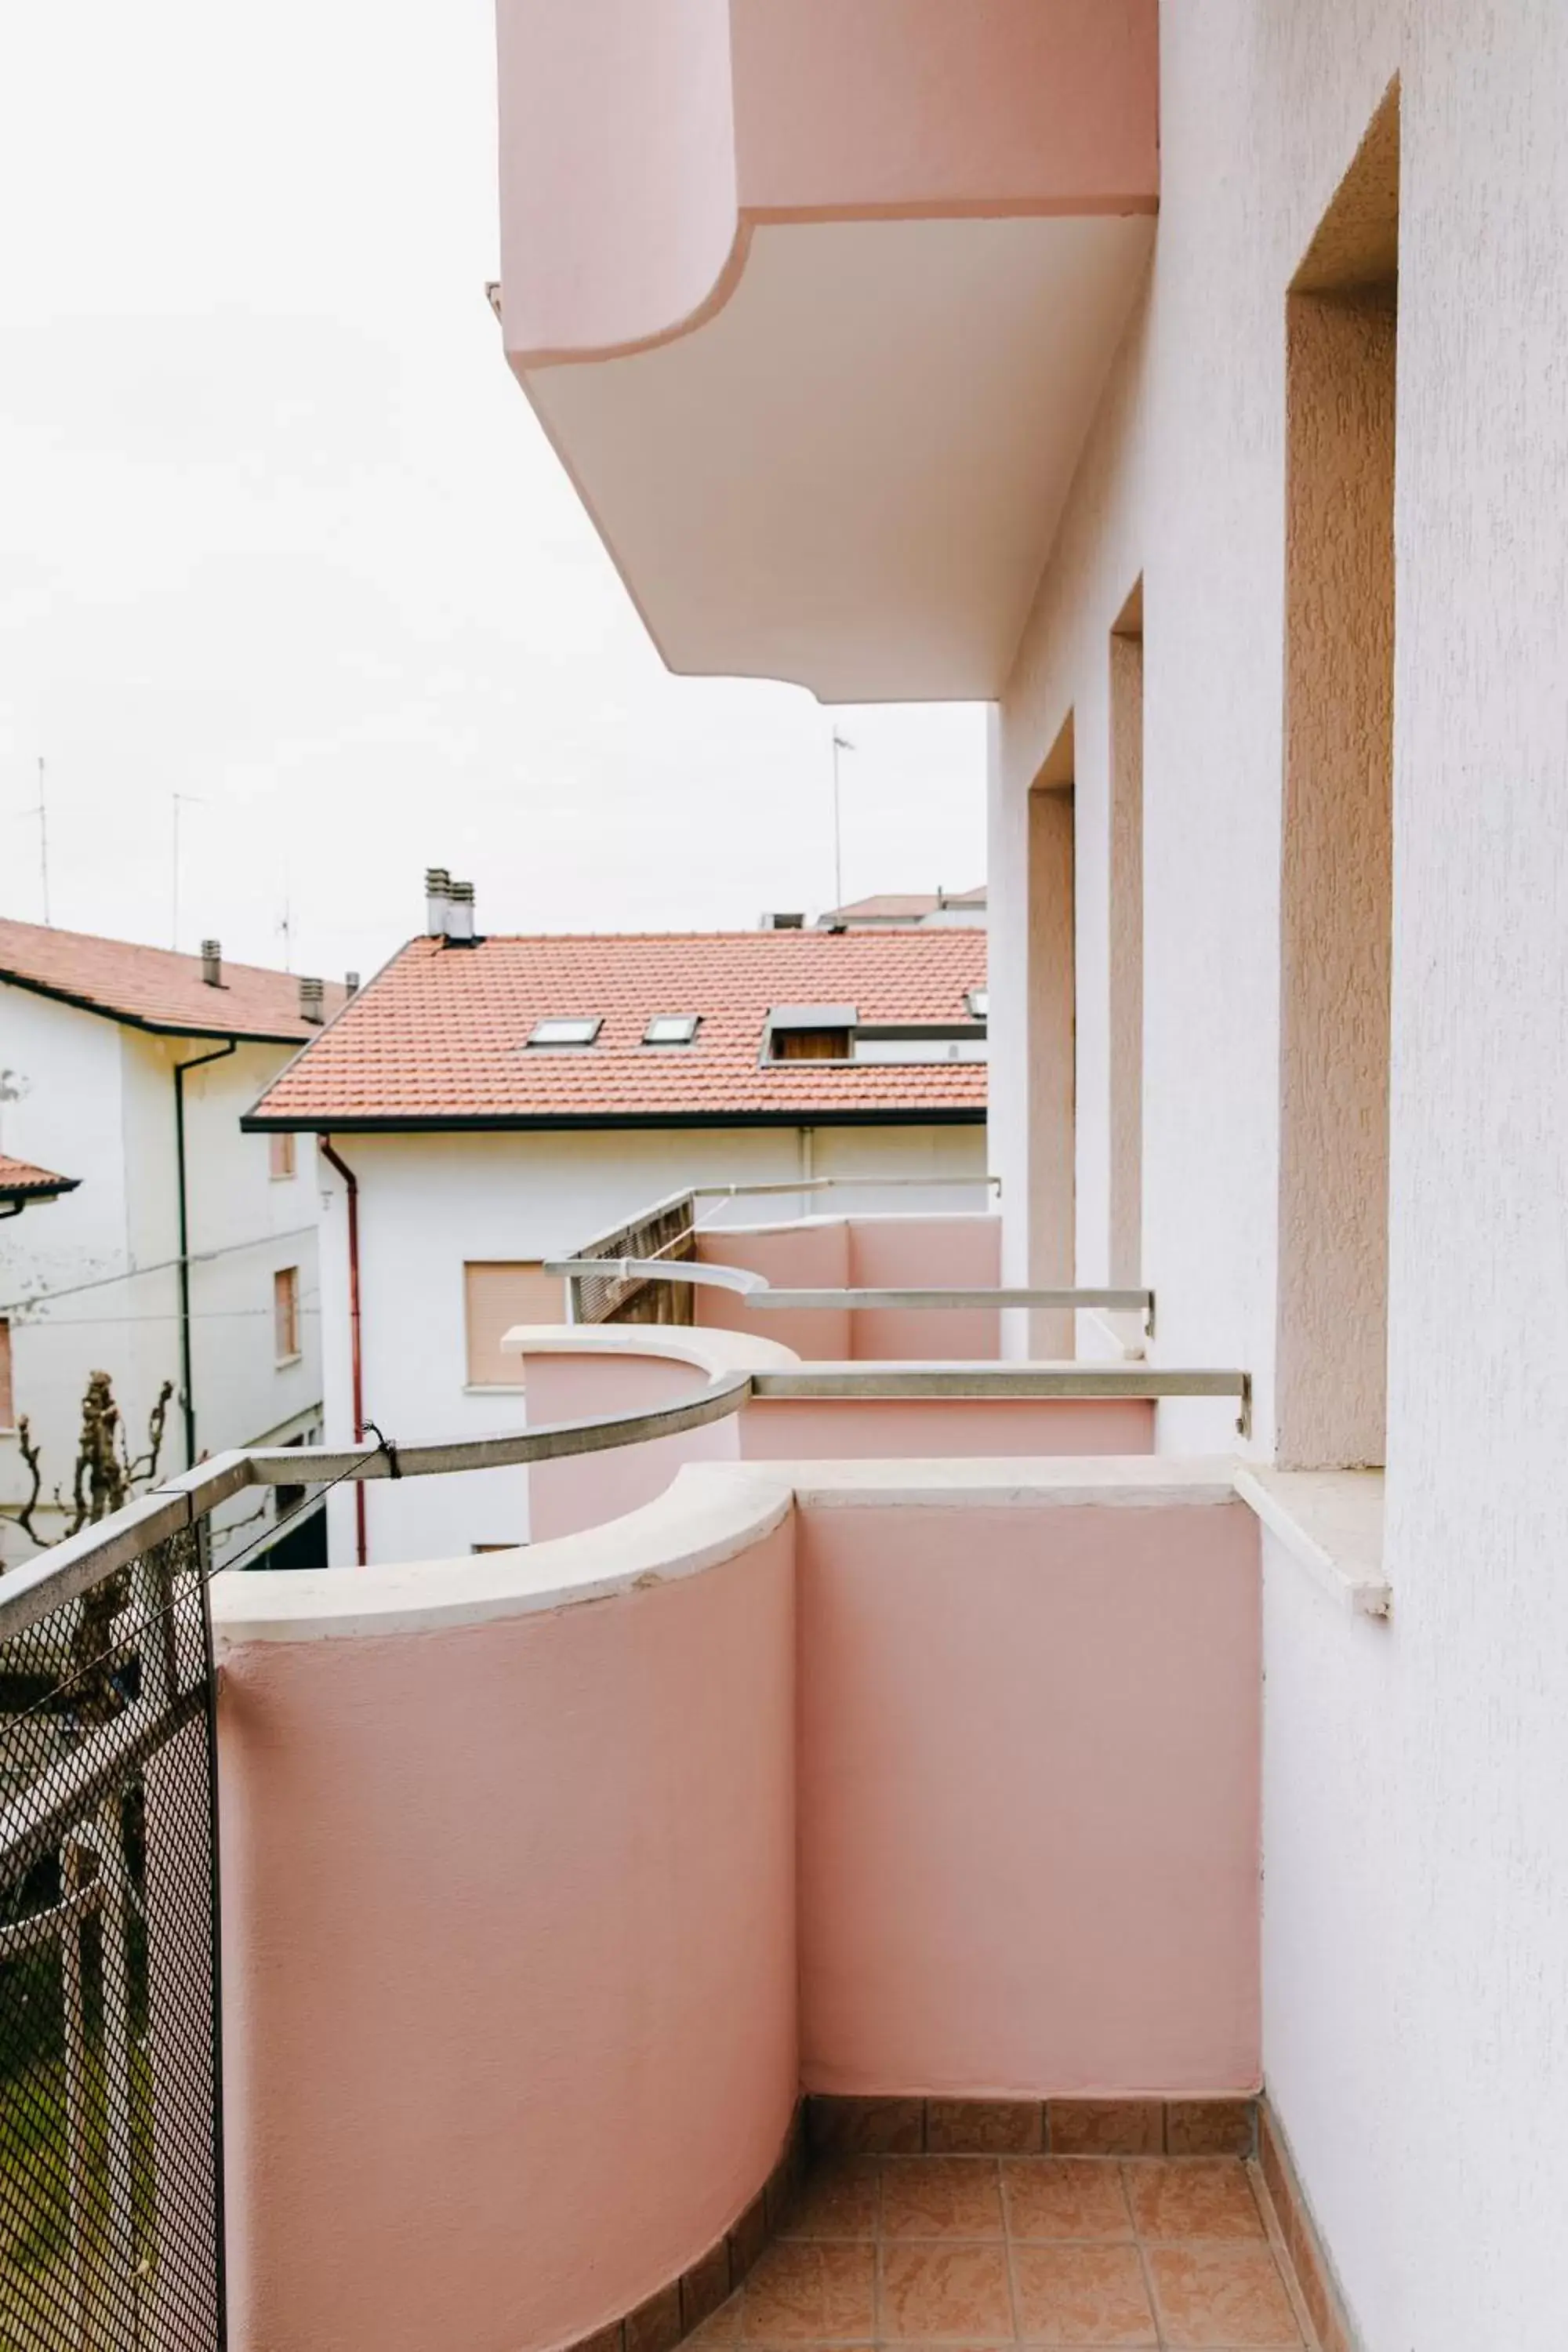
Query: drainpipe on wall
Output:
(356,1357)
(187,1401)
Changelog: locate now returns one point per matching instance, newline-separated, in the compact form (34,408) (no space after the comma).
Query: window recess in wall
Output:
(286,1315)
(1337,855)
(498,1293)
(1125,1235)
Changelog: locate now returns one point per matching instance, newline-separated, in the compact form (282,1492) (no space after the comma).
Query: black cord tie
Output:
(388,1447)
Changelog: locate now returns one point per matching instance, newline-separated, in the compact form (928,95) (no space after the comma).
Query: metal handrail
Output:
(29,1593)
(758,1291)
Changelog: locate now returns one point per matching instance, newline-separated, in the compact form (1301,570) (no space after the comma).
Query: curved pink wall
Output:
(1028,1793)
(638,137)
(585,1490)
(617,168)
(807,1256)
(591,1489)
(533,1928)
(509,1962)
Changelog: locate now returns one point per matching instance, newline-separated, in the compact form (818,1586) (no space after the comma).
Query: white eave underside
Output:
(851,475)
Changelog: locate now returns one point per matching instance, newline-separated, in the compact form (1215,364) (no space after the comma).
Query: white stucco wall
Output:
(1416,1851)
(89,1097)
(428,1204)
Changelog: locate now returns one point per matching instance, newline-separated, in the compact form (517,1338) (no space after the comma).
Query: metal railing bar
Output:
(1102,1380)
(295,1464)
(757,1289)
(70,1568)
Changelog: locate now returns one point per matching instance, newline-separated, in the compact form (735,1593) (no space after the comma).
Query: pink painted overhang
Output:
(883,249)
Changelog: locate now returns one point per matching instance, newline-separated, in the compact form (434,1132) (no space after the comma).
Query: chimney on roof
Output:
(211,963)
(460,915)
(438,891)
(351,983)
(312,1007)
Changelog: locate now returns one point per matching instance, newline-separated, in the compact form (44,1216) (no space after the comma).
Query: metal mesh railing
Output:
(111,2234)
(667,1231)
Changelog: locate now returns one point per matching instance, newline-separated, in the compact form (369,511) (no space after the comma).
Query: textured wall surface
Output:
(1416,1850)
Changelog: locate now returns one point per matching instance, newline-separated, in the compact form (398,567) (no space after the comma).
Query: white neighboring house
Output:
(496,1103)
(128,1067)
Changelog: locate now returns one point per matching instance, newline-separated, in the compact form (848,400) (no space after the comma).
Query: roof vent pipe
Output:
(312,1007)
(438,891)
(460,915)
(351,983)
(211,963)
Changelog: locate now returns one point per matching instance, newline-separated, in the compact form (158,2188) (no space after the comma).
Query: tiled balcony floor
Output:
(971,2250)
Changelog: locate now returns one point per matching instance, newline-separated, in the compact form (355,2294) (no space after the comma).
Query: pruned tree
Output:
(107,1474)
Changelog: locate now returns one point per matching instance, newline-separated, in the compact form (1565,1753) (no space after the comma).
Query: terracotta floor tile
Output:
(803,2294)
(946,2293)
(840,2199)
(1210,2297)
(1082,2294)
(983,2127)
(1063,2197)
(941,2197)
(722,2327)
(1200,2197)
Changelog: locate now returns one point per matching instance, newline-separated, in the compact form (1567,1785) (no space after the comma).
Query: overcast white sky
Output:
(277,532)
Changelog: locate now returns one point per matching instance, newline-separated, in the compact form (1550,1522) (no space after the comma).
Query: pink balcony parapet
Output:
(954,1252)
(538,1915)
(782,276)
(571,1374)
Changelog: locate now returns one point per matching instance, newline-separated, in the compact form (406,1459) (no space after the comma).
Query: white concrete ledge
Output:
(1332,1522)
(711,1511)
(712,1349)
(685,1531)
(1032,1482)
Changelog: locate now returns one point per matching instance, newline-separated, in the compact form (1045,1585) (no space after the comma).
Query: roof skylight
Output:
(672,1029)
(574,1032)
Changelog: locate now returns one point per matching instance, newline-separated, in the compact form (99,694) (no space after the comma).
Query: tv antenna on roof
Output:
(840,743)
(42,814)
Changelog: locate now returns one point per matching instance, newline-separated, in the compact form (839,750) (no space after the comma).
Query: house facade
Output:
(493,1104)
(183,1261)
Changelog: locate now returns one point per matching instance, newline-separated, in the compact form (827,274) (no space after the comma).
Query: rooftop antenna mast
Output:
(286,924)
(42,814)
(181,800)
(840,743)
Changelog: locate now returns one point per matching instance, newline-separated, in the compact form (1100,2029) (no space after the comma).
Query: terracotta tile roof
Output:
(439,1037)
(20,1180)
(154,988)
(904,906)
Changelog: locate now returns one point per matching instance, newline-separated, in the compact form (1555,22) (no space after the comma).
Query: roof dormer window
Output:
(574,1032)
(809,1033)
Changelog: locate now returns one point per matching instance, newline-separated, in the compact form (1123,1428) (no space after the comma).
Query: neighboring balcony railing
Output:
(617,1275)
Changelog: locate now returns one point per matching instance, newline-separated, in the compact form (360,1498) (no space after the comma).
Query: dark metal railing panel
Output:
(667,1231)
(110,2185)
